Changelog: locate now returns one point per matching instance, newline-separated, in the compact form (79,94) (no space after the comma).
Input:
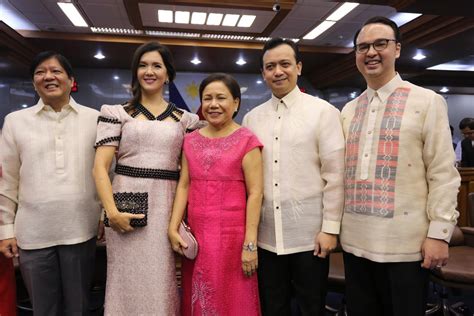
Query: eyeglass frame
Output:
(357,50)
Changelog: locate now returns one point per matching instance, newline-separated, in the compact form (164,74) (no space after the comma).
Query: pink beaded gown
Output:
(214,283)
(141,276)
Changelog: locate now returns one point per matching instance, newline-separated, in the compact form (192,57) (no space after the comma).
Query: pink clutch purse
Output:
(188,237)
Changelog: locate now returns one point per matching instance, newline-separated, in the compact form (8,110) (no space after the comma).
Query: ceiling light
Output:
(263,39)
(115,30)
(195,61)
(342,11)
(402,18)
(14,19)
(259,82)
(172,34)
(246,20)
(241,61)
(214,19)
(73,14)
(228,37)
(230,19)
(318,30)
(452,67)
(352,95)
(419,56)
(181,17)
(116,77)
(99,55)
(165,16)
(198,18)
(24,105)
(443,90)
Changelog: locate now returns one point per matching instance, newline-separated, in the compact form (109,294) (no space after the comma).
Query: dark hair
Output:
(466,122)
(228,81)
(277,41)
(381,20)
(38,59)
(139,52)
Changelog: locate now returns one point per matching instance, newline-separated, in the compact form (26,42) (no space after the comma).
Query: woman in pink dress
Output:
(221,184)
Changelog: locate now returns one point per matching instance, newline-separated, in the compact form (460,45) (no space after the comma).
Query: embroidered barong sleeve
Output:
(10,161)
(442,177)
(331,154)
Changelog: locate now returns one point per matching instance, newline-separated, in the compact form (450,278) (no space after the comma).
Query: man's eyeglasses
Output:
(378,45)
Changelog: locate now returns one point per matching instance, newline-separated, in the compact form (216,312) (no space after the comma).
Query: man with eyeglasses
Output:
(400,182)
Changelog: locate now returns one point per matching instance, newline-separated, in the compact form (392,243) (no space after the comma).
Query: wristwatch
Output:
(250,247)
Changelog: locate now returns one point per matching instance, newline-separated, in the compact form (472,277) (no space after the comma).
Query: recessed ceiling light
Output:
(444,90)
(116,77)
(259,82)
(402,18)
(196,61)
(318,30)
(214,19)
(419,56)
(99,55)
(73,14)
(172,34)
(181,17)
(115,30)
(228,37)
(452,66)
(24,105)
(246,20)
(230,19)
(241,61)
(165,16)
(342,11)
(198,18)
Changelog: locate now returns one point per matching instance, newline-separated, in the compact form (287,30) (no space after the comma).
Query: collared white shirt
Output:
(303,158)
(47,194)
(400,181)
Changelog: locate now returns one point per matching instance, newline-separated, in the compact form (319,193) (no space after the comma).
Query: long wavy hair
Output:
(169,65)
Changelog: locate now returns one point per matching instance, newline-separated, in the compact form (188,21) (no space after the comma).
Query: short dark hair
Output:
(466,122)
(139,52)
(381,20)
(38,59)
(277,41)
(228,81)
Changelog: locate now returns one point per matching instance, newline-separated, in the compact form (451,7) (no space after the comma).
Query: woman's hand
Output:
(120,222)
(249,262)
(177,243)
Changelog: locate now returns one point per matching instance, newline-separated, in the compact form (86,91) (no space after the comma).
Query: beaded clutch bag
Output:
(185,232)
(134,203)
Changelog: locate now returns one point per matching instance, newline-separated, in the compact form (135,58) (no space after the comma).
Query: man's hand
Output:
(9,248)
(324,243)
(435,253)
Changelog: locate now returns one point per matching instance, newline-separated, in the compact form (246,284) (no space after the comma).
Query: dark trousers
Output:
(385,289)
(301,274)
(58,279)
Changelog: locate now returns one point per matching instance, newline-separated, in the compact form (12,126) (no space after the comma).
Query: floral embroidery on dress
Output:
(202,294)
(210,150)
